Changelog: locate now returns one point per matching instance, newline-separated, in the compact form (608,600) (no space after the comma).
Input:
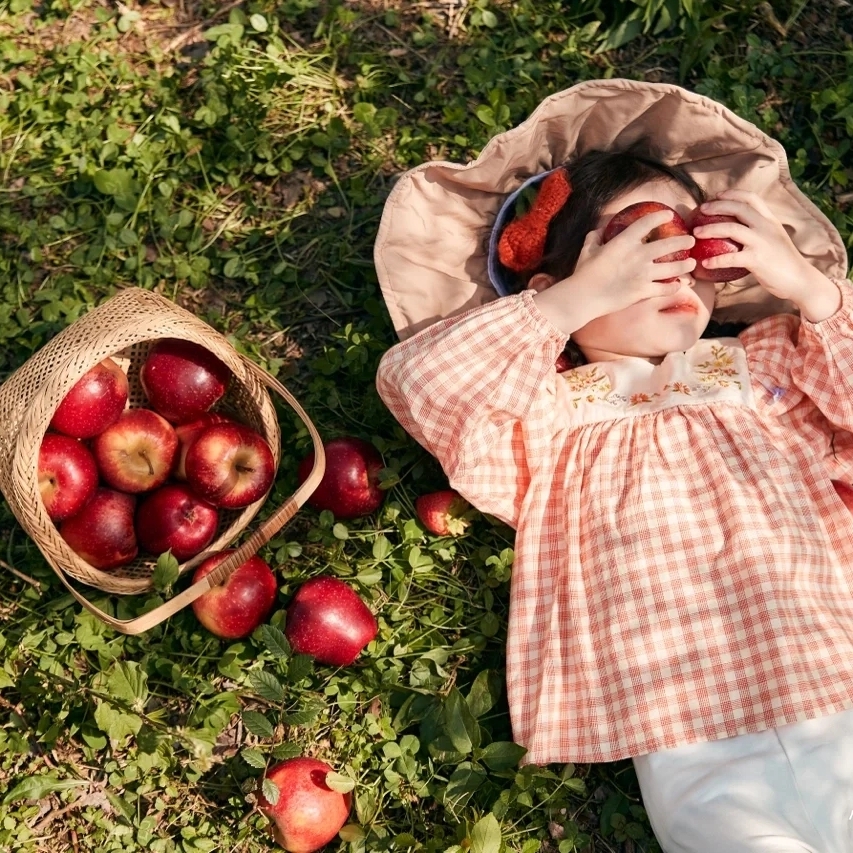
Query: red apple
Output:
(93,403)
(102,532)
(173,518)
(187,434)
(308,814)
(350,484)
(236,607)
(136,453)
(182,379)
(230,465)
(67,475)
(443,513)
(713,246)
(676,227)
(327,620)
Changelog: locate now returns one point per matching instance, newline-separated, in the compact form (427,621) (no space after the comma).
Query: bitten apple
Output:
(236,607)
(676,227)
(136,453)
(68,476)
(327,620)
(308,813)
(230,465)
(187,434)
(710,247)
(350,484)
(443,513)
(102,532)
(94,402)
(173,518)
(183,380)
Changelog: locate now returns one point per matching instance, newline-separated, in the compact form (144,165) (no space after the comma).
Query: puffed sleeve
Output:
(802,375)
(477,391)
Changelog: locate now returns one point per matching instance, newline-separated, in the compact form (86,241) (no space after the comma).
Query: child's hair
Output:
(597,178)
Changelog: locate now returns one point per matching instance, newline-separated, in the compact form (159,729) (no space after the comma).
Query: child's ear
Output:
(541,281)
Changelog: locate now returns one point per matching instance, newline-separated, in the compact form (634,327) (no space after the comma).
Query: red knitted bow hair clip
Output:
(522,242)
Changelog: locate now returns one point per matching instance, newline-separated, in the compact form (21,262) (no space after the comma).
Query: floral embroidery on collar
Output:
(719,369)
(593,385)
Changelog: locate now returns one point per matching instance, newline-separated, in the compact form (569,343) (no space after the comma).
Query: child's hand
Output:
(624,270)
(768,253)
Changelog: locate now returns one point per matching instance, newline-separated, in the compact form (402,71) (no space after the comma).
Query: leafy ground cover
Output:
(235,157)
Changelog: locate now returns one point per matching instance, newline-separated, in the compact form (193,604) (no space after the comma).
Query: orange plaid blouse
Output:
(684,566)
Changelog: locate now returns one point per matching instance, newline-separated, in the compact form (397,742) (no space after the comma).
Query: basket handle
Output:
(260,537)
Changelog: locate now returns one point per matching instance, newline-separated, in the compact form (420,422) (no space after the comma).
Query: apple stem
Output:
(243,469)
(144,455)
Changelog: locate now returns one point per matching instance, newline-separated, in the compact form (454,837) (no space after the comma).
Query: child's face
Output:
(651,328)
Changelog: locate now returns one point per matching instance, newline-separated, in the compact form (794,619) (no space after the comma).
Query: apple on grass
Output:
(443,513)
(350,484)
(182,379)
(67,475)
(710,247)
(676,227)
(230,465)
(93,403)
(102,533)
(136,453)
(308,813)
(236,607)
(187,434)
(174,519)
(327,620)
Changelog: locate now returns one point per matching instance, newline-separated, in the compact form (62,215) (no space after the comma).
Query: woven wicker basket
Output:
(125,328)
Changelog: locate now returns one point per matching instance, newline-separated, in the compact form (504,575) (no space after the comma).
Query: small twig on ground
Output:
(21,575)
(198,29)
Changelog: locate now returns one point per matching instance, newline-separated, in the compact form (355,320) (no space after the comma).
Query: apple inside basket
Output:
(247,402)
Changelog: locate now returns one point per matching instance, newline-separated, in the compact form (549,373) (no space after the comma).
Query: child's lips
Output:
(683,306)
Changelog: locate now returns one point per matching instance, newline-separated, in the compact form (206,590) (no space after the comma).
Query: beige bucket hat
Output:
(432,249)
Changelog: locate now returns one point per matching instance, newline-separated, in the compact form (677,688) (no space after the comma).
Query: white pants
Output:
(785,790)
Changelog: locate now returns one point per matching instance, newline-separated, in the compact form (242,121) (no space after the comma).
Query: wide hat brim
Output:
(432,249)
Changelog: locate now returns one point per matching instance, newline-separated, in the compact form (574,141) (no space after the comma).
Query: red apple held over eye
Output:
(67,474)
(187,434)
(183,380)
(94,401)
(711,247)
(136,453)
(230,465)
(173,518)
(676,227)
(327,620)
(350,484)
(236,607)
(102,533)
(308,813)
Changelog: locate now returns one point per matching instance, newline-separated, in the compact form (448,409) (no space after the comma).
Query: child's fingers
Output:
(668,246)
(730,259)
(747,207)
(724,230)
(673,269)
(643,226)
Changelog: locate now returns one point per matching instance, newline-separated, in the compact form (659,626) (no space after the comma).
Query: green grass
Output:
(237,162)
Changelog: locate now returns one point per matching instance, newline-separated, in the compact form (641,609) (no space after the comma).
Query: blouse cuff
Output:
(841,320)
(538,321)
